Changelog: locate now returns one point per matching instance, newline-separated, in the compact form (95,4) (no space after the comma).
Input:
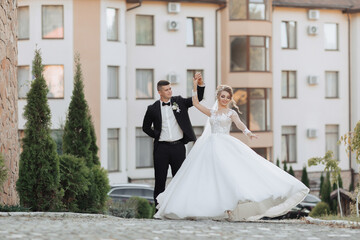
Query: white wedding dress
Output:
(221,173)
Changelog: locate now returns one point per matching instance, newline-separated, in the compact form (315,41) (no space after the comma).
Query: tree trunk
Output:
(338,190)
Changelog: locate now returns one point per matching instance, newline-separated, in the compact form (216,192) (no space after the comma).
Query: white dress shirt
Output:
(170,129)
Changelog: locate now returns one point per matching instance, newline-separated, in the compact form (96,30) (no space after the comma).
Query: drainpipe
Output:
(216,43)
(139,4)
(349,70)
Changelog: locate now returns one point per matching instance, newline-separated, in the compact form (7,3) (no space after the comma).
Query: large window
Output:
(254,104)
(144,30)
(144,83)
(53,22)
(190,75)
(54,77)
(288,84)
(264,152)
(332,84)
(23,23)
(250,53)
(248,9)
(288,34)
(331,36)
(23,77)
(113,82)
(332,136)
(288,144)
(112,24)
(195,32)
(113,150)
(144,149)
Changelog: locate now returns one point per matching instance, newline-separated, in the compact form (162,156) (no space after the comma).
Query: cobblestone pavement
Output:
(106,227)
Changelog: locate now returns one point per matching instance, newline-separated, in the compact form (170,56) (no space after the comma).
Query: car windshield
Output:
(311,198)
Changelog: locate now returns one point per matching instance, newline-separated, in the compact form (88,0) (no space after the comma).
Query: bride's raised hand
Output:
(251,136)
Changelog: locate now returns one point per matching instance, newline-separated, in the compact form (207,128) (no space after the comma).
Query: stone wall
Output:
(9,146)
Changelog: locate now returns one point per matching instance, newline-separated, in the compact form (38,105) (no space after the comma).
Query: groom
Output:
(167,121)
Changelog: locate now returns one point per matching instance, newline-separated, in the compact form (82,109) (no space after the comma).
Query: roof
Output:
(189,1)
(345,5)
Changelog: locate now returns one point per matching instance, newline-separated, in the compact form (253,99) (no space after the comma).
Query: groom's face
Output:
(165,92)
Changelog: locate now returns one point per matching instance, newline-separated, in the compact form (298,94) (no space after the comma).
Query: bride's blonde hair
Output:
(229,90)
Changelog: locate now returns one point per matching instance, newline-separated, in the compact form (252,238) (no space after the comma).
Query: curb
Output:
(53,214)
(333,223)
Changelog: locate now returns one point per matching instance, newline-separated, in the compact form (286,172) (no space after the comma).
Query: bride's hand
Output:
(198,76)
(251,136)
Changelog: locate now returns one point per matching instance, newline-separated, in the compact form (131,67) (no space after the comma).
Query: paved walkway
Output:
(86,226)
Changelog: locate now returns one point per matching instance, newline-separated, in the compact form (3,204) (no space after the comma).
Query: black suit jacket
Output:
(152,120)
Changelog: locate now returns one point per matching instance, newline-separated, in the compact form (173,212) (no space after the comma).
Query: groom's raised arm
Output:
(147,123)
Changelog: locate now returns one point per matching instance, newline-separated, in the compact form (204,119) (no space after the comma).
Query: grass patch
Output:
(13,208)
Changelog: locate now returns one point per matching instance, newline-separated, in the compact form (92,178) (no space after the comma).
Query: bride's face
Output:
(224,98)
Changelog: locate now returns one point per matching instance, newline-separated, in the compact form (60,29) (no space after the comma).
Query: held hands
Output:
(199,79)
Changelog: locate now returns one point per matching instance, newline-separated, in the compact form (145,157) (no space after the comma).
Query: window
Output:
(195,32)
(288,144)
(144,83)
(198,131)
(113,150)
(288,34)
(23,77)
(190,75)
(331,36)
(113,82)
(54,77)
(53,22)
(57,136)
(112,24)
(332,84)
(332,136)
(23,23)
(249,53)
(248,9)
(264,152)
(144,149)
(288,84)
(144,30)
(254,103)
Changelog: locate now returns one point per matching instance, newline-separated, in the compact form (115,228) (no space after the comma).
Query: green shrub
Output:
(13,208)
(122,209)
(73,179)
(3,171)
(143,208)
(322,208)
(304,177)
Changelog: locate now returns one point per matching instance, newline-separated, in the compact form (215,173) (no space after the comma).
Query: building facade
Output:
(9,147)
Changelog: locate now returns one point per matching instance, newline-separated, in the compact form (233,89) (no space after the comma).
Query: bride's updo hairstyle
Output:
(229,90)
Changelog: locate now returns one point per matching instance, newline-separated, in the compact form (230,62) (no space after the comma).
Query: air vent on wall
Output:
(173,25)
(313,14)
(313,30)
(173,7)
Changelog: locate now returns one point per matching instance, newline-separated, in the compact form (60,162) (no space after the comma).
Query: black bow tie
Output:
(166,104)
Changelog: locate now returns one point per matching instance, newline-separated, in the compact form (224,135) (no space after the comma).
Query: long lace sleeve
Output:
(239,124)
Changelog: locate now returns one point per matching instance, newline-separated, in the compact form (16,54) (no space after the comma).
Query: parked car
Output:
(302,209)
(123,192)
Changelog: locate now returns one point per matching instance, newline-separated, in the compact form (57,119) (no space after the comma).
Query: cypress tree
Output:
(291,171)
(80,140)
(304,177)
(326,190)
(321,182)
(277,162)
(39,181)
(285,167)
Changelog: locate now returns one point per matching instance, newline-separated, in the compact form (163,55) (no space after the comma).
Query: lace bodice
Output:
(221,122)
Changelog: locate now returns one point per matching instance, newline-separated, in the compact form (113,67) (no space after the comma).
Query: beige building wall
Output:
(87,44)
(246,79)
(9,146)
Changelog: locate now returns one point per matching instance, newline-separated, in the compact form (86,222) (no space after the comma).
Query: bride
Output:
(222,178)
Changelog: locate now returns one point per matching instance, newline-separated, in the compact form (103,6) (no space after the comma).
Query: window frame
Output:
(266,120)
(153,83)
(117,15)
(337,37)
(28,22)
(288,85)
(337,85)
(266,58)
(287,34)
(187,80)
(337,138)
(267,13)
(287,137)
(136,152)
(118,169)
(194,35)
(153,30)
(63,67)
(117,82)
(29,79)
(42,19)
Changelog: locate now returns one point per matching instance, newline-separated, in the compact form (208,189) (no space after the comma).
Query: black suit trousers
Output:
(165,155)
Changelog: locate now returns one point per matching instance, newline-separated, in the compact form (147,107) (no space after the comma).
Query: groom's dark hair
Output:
(162,83)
